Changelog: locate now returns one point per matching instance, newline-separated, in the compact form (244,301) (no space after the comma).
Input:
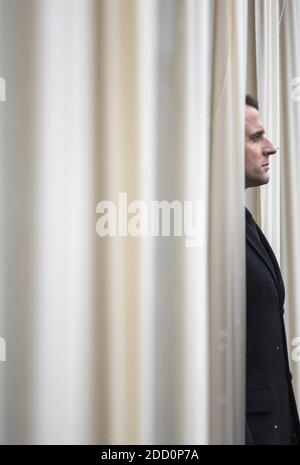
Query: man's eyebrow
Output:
(257,134)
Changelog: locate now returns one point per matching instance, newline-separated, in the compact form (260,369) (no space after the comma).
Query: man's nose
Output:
(269,148)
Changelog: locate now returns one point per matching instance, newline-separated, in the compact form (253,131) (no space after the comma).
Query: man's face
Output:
(258,148)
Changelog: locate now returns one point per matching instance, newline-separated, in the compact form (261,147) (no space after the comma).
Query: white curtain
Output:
(290,174)
(121,339)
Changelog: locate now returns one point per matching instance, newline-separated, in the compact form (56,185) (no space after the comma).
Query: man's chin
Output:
(266,179)
(257,182)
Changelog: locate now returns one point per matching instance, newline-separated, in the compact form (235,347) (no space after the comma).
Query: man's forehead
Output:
(253,121)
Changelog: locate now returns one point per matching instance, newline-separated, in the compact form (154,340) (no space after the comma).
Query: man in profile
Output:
(271,411)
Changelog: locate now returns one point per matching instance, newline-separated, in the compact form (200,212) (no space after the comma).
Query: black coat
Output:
(271,412)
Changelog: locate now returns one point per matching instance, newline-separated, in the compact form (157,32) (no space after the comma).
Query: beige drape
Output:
(290,172)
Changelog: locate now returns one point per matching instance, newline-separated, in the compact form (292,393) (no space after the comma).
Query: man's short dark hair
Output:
(252,102)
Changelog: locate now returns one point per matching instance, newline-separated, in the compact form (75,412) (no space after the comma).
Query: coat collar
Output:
(265,257)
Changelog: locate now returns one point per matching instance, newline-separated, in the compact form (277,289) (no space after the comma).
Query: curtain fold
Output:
(267,69)
(290,171)
(226,226)
(126,339)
